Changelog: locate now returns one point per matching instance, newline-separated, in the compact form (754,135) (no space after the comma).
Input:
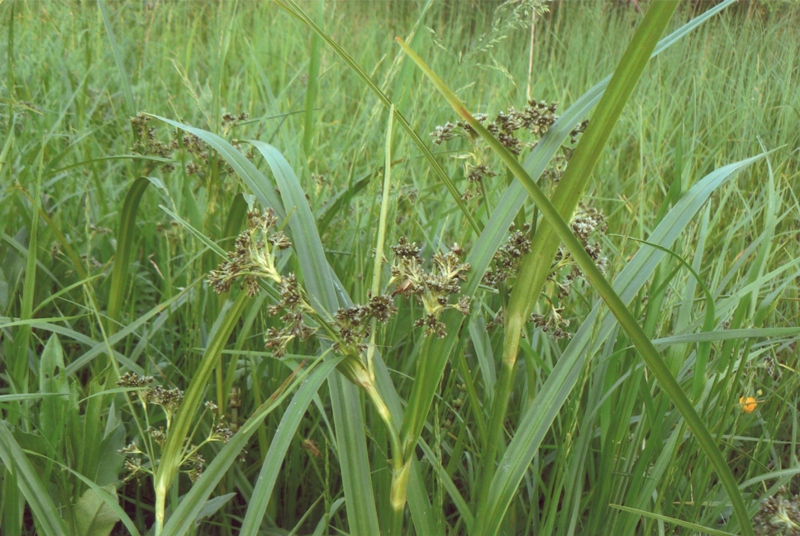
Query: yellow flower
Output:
(748,404)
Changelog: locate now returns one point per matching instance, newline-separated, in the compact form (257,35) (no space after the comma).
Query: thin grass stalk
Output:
(400,470)
(296,11)
(656,20)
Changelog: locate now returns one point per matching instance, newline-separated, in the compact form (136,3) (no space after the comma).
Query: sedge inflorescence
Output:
(140,462)
(254,256)
(431,288)
(535,120)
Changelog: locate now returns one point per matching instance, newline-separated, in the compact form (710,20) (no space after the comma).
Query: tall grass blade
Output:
(118,59)
(252,177)
(281,441)
(124,253)
(309,382)
(294,9)
(32,488)
(171,456)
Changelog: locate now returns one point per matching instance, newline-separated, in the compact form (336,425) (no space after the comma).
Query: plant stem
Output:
(400,470)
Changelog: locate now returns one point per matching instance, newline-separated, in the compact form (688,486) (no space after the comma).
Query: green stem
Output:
(400,470)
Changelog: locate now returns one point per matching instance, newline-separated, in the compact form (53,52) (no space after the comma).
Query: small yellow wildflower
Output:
(748,404)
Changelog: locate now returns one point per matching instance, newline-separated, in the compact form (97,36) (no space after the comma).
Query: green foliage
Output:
(347,295)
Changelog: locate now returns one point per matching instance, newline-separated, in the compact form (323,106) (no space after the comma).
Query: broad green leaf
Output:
(124,253)
(93,517)
(53,380)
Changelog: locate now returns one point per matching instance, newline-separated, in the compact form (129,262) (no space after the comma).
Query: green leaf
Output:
(93,517)
(33,489)
(309,382)
(118,59)
(211,506)
(245,170)
(124,253)
(694,527)
(192,399)
(53,380)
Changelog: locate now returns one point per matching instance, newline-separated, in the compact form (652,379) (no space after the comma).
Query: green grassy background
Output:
(726,92)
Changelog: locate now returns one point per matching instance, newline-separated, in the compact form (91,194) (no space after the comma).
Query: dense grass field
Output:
(194,195)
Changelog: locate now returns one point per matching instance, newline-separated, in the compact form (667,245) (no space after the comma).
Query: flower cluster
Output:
(536,118)
(155,438)
(294,307)
(146,142)
(778,515)
(432,289)
(552,322)
(586,223)
(505,262)
(254,255)
(353,323)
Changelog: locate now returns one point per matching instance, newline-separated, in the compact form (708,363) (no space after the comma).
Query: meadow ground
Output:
(135,386)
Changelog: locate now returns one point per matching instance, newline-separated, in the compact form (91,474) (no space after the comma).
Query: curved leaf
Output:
(32,488)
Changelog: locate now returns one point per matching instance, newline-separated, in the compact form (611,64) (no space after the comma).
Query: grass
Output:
(108,237)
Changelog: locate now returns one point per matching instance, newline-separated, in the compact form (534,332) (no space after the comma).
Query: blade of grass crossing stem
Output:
(380,243)
(250,175)
(617,306)
(492,235)
(313,83)
(281,441)
(118,59)
(589,338)
(694,527)
(192,399)
(317,275)
(34,491)
(305,237)
(544,246)
(308,381)
(124,253)
(295,10)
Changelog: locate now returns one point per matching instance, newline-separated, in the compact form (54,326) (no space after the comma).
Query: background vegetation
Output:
(75,216)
